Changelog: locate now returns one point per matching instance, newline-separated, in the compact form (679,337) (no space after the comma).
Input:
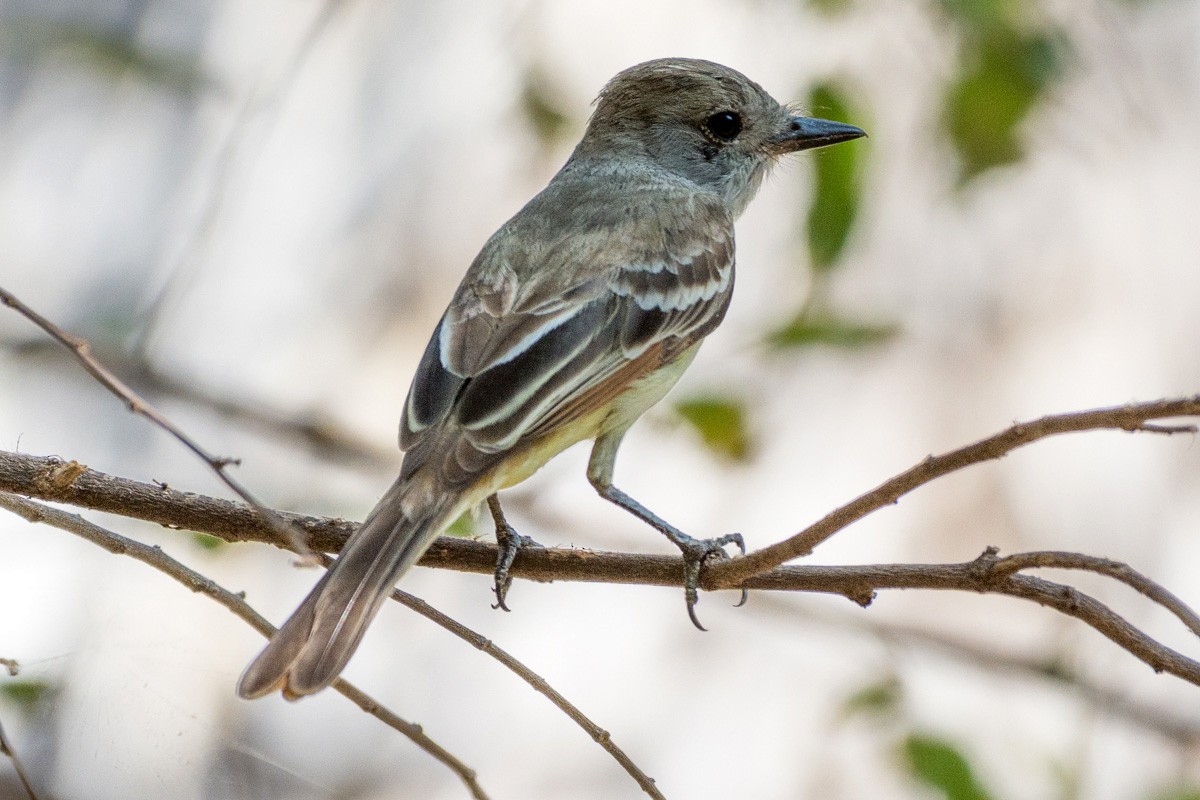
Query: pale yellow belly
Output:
(616,416)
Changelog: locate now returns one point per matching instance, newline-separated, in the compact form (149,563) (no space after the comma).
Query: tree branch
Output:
(1049,559)
(1132,417)
(150,498)
(539,684)
(156,558)
(323,437)
(6,749)
(70,482)
(82,351)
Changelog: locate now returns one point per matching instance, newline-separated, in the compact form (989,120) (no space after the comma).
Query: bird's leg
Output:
(510,543)
(695,551)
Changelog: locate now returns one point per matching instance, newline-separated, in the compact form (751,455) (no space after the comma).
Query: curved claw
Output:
(695,553)
(691,584)
(500,589)
(501,579)
(692,616)
(736,538)
(510,543)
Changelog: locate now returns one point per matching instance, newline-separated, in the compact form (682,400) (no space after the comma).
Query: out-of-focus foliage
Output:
(721,423)
(837,184)
(978,14)
(1178,793)
(830,6)
(101,51)
(939,764)
(463,527)
(837,193)
(26,694)
(1007,69)
(882,697)
(541,109)
(933,761)
(811,327)
(207,542)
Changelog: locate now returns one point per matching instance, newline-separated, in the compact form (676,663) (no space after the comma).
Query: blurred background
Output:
(256,212)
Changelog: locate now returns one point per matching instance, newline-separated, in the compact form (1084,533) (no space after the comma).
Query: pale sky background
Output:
(312,207)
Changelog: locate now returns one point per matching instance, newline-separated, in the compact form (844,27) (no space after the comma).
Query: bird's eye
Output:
(724,125)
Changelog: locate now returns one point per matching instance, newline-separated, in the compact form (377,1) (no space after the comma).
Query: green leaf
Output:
(1055,668)
(721,423)
(1178,793)
(829,7)
(978,15)
(1006,75)
(940,765)
(463,527)
(541,109)
(837,184)
(809,329)
(104,51)
(207,541)
(881,697)
(26,694)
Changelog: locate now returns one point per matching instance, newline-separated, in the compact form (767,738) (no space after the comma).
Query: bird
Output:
(578,315)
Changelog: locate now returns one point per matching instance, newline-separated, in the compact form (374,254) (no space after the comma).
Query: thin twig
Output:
(539,684)
(262,98)
(1132,417)
(412,731)
(156,558)
(6,748)
(1052,559)
(321,434)
(138,405)
(234,522)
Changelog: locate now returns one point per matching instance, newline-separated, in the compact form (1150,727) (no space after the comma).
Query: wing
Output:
(558,315)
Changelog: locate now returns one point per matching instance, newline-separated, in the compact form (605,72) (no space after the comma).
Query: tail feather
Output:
(312,647)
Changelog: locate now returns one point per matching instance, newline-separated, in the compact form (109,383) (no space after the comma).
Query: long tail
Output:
(314,644)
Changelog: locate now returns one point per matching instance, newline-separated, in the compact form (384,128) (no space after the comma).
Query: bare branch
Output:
(539,684)
(6,749)
(476,640)
(136,404)
(1101,566)
(234,522)
(71,482)
(1132,417)
(263,99)
(322,435)
(62,476)
(156,558)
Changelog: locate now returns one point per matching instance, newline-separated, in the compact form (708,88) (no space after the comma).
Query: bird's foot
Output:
(696,553)
(510,543)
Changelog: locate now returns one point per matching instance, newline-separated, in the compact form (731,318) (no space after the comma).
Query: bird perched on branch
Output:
(579,314)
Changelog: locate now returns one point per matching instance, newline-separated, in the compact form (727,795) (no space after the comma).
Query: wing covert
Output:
(548,321)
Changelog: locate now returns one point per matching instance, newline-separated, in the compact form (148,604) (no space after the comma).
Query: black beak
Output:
(805,133)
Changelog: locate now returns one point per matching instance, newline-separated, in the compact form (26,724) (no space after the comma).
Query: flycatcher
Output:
(579,314)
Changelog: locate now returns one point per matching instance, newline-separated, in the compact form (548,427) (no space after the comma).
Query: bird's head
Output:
(704,122)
